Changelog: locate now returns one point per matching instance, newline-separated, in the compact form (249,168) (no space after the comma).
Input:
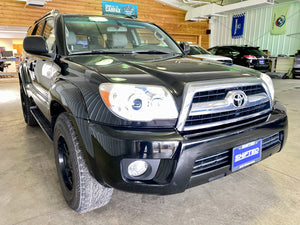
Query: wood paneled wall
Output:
(14,13)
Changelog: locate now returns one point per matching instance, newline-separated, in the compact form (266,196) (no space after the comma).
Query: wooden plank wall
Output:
(14,13)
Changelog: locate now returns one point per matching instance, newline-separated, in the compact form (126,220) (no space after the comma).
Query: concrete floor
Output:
(265,193)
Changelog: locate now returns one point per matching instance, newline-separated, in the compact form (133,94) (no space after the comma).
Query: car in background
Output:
(296,67)
(246,56)
(199,52)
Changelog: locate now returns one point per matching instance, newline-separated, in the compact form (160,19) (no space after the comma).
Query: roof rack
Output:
(52,12)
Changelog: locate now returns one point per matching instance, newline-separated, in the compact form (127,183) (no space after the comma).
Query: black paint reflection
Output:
(145,148)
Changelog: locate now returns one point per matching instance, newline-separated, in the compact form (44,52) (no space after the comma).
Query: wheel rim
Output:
(65,164)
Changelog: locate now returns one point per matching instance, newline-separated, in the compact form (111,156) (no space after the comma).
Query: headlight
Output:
(268,81)
(139,102)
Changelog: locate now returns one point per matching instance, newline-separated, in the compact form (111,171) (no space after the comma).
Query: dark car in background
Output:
(246,56)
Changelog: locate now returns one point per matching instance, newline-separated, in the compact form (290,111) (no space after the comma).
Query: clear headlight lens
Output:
(268,81)
(139,102)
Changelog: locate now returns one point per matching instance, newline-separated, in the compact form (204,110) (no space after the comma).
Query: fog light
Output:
(137,168)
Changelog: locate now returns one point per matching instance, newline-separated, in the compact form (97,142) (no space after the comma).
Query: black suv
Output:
(126,109)
(246,56)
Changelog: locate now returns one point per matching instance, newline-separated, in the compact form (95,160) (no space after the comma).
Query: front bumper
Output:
(113,146)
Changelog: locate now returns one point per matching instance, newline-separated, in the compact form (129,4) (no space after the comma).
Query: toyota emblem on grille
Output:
(239,98)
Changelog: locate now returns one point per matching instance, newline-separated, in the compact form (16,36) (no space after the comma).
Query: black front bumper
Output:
(174,175)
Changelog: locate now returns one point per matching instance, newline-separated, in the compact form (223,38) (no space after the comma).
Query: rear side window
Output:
(227,51)
(253,51)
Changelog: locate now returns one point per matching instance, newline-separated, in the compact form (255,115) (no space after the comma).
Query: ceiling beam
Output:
(214,9)
(176,4)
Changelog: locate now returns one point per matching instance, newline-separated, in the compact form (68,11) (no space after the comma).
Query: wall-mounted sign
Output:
(119,9)
(237,28)
(279,17)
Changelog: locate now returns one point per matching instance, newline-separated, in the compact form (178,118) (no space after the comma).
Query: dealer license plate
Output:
(246,155)
(261,61)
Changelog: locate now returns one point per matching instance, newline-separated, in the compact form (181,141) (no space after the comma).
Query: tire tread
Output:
(90,193)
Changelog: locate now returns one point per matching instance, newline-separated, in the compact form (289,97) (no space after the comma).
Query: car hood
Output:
(170,72)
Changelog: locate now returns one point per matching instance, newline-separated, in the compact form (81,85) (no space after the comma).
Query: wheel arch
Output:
(66,97)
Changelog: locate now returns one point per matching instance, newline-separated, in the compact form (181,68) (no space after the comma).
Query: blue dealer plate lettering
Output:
(245,155)
(261,61)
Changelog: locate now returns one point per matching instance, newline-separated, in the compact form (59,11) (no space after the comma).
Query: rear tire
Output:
(81,191)
(26,103)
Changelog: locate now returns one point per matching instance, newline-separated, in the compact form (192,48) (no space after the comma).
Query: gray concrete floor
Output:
(265,193)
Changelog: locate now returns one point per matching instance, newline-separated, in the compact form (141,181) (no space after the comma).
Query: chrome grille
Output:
(219,94)
(208,105)
(218,117)
(212,162)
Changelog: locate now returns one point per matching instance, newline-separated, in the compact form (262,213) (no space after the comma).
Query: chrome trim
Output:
(226,104)
(215,124)
(224,129)
(194,87)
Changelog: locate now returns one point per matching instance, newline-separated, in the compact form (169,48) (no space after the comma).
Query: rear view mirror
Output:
(185,47)
(35,45)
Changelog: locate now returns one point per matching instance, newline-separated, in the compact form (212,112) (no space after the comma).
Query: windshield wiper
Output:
(150,52)
(126,52)
(98,52)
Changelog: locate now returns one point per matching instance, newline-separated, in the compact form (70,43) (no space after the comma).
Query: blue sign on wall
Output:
(119,9)
(237,28)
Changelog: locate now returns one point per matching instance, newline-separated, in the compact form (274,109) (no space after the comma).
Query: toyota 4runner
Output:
(127,109)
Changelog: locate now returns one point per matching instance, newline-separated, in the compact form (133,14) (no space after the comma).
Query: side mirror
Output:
(185,47)
(35,45)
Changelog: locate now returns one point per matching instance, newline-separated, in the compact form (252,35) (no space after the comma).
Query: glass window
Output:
(115,35)
(254,51)
(227,52)
(38,29)
(30,30)
(49,35)
(213,51)
(196,50)
(233,52)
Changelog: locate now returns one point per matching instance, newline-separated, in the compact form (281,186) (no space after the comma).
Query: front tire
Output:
(81,191)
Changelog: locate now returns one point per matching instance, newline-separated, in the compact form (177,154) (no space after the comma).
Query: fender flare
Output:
(70,98)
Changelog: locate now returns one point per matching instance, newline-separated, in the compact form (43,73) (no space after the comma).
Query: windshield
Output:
(96,34)
(196,50)
(254,51)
